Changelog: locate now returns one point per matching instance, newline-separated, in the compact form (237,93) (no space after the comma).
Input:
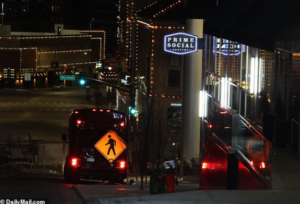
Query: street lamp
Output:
(91,23)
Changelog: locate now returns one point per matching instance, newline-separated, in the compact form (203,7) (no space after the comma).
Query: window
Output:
(8,73)
(174,120)
(174,78)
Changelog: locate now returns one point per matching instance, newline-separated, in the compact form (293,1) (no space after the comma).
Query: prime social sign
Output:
(180,43)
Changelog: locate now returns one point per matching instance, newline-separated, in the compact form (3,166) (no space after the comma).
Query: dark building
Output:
(36,15)
(42,15)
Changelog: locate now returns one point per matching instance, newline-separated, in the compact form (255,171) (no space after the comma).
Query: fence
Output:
(19,149)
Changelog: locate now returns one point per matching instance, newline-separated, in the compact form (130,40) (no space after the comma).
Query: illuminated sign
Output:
(224,46)
(180,43)
(27,76)
(98,65)
(176,104)
(67,77)
(126,80)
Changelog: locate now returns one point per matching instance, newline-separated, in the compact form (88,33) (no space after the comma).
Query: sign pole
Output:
(111,177)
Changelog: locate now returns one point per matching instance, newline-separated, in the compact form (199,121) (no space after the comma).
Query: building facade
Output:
(46,56)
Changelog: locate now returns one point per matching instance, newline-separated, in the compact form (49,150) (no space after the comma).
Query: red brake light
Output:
(262,165)
(204,165)
(209,126)
(122,124)
(94,110)
(101,110)
(108,111)
(76,112)
(122,164)
(75,162)
(79,122)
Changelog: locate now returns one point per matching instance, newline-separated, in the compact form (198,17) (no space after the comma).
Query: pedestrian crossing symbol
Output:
(111,145)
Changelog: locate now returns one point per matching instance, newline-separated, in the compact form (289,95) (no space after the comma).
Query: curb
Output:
(79,194)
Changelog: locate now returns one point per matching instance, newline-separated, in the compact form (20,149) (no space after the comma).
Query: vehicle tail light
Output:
(79,122)
(204,165)
(101,110)
(75,162)
(108,111)
(94,110)
(209,126)
(122,164)
(262,165)
(122,124)
(76,112)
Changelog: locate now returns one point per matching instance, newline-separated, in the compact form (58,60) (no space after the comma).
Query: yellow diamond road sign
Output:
(111,145)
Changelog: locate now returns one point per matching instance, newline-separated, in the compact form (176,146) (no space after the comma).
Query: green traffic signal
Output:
(82,82)
(132,111)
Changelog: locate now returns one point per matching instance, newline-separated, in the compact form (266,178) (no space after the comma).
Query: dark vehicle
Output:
(59,87)
(86,128)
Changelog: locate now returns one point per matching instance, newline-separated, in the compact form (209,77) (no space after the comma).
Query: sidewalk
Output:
(285,190)
(185,193)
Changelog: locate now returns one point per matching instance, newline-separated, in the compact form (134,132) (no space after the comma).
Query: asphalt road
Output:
(33,186)
(42,112)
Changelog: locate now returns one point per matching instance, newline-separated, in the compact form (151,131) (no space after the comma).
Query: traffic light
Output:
(82,79)
(132,111)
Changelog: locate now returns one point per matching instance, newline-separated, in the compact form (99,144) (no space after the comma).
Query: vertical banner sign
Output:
(180,43)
